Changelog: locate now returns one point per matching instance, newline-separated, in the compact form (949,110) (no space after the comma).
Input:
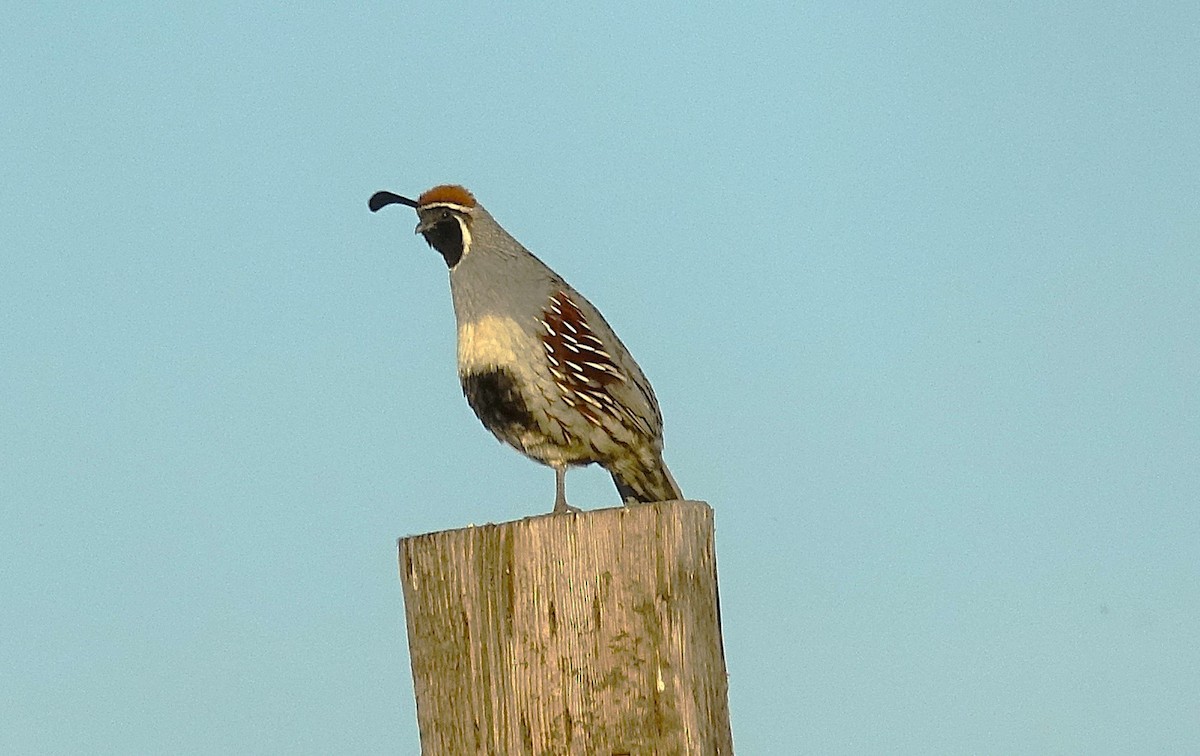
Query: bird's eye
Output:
(445,214)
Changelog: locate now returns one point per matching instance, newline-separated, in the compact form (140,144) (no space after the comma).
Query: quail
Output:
(539,365)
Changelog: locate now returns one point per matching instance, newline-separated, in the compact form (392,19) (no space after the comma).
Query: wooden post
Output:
(590,633)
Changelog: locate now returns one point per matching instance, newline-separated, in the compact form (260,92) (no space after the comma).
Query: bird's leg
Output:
(560,491)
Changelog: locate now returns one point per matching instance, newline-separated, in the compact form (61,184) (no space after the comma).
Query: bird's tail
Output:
(650,481)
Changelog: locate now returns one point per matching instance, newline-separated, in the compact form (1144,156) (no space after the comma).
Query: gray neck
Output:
(498,277)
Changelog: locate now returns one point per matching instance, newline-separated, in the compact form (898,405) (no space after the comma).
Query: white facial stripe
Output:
(449,205)
(466,234)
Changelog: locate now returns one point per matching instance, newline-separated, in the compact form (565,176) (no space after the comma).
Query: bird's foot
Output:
(562,507)
(560,492)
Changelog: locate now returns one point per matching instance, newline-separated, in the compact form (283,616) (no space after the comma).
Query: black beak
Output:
(383,199)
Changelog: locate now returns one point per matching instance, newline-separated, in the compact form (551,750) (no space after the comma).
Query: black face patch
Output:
(445,235)
(496,400)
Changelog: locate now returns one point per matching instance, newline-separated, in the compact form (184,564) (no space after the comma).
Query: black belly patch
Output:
(498,403)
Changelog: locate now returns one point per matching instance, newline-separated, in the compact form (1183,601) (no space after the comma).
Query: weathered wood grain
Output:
(590,633)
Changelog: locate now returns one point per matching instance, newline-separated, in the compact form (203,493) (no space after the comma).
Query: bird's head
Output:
(445,215)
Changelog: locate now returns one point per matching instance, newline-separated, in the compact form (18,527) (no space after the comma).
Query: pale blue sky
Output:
(917,286)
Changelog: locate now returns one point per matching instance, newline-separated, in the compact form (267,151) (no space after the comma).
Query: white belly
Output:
(492,341)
